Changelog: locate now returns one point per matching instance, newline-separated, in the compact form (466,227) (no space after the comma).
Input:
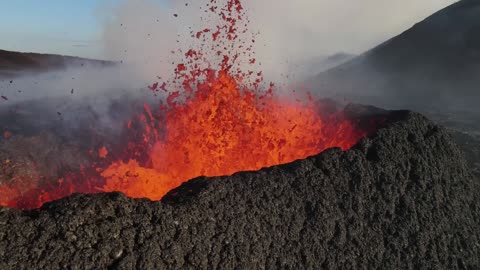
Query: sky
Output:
(74,27)
(67,27)
(50,26)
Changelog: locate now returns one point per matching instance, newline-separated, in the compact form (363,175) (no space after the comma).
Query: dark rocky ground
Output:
(401,199)
(470,144)
(465,128)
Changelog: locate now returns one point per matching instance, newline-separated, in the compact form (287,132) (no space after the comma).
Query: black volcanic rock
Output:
(400,199)
(434,63)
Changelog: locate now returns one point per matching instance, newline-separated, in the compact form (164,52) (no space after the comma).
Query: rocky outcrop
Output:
(400,199)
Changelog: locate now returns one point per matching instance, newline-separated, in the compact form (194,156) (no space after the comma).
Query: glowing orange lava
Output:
(218,121)
(223,129)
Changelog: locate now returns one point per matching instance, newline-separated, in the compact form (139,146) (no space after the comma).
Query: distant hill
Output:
(436,62)
(15,63)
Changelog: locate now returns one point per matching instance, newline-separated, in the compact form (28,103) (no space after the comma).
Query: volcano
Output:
(228,171)
(401,198)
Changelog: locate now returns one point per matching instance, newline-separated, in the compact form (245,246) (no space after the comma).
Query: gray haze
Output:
(292,35)
(291,32)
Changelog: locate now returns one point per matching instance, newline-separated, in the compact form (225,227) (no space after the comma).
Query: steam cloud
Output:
(143,33)
(290,32)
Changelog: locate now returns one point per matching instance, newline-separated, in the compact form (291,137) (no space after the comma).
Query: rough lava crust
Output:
(400,199)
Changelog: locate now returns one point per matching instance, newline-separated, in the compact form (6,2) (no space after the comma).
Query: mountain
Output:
(436,62)
(13,64)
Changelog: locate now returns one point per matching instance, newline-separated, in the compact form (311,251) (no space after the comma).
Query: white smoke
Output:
(144,33)
(290,32)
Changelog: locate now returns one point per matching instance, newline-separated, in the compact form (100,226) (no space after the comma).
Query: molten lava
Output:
(222,130)
(216,123)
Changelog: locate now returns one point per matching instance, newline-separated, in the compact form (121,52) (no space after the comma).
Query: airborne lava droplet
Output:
(153,87)
(103,152)
(7,134)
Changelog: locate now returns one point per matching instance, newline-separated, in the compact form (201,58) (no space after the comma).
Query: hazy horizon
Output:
(311,28)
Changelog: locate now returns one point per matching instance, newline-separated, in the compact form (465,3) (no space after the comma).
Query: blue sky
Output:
(70,27)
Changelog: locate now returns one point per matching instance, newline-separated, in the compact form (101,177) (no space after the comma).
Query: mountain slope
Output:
(437,61)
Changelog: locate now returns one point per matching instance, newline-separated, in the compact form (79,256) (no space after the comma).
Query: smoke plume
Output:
(290,33)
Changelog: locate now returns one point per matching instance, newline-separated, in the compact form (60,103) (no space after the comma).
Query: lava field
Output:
(402,198)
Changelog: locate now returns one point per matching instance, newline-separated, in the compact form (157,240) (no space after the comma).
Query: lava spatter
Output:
(223,125)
